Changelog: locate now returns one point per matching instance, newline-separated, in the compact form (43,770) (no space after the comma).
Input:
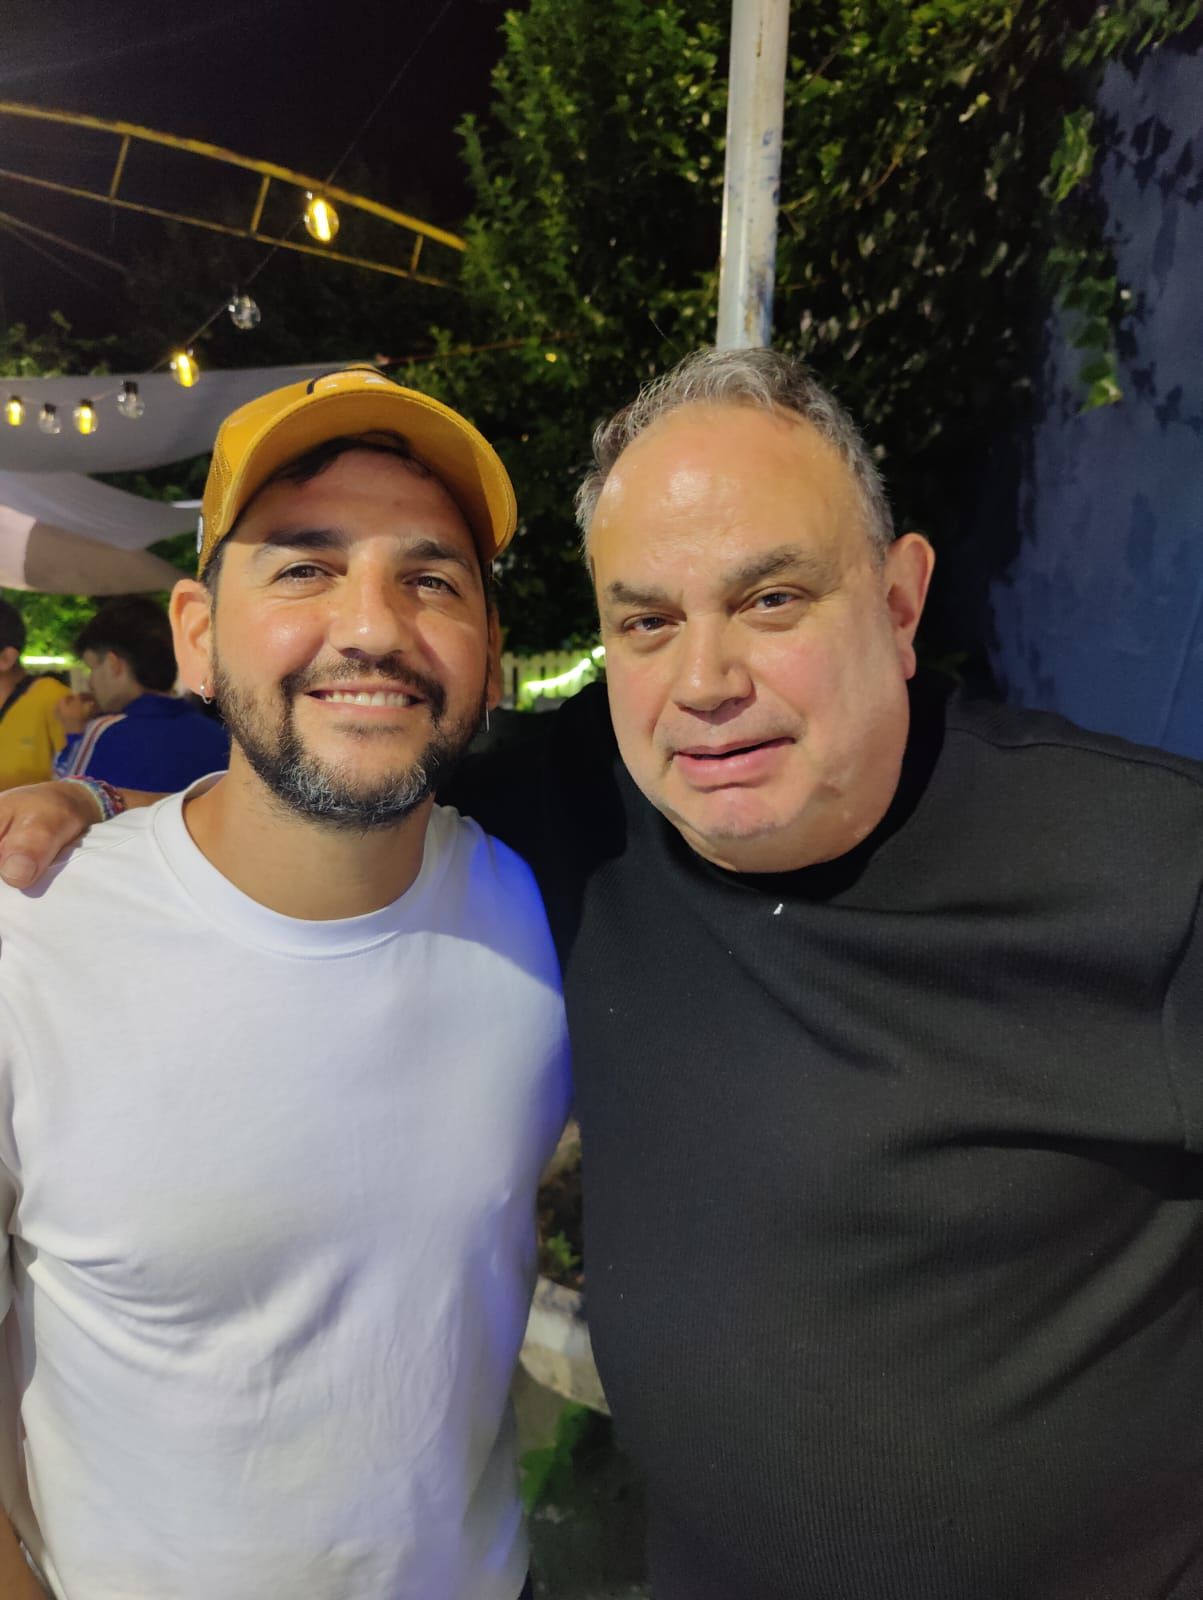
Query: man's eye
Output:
(432,580)
(300,571)
(645,625)
(774,599)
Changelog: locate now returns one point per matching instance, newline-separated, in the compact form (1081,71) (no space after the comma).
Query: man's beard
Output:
(331,794)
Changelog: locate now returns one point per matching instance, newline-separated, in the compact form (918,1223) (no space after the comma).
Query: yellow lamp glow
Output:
(85,418)
(14,411)
(321,219)
(184,368)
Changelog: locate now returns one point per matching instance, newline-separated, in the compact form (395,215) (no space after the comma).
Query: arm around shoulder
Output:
(40,820)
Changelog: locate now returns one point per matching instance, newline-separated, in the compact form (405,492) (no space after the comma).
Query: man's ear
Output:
(906,576)
(191,612)
(493,682)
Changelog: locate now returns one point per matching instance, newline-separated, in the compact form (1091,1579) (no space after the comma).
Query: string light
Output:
(85,418)
(244,313)
(48,419)
(129,402)
(321,219)
(184,368)
(14,411)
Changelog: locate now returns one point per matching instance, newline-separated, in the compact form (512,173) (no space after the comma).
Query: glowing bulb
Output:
(85,417)
(129,402)
(244,313)
(321,219)
(48,419)
(184,368)
(550,355)
(14,411)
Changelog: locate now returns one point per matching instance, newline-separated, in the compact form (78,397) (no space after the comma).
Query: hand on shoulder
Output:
(37,822)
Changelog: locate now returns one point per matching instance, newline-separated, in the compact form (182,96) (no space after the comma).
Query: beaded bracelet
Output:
(109,801)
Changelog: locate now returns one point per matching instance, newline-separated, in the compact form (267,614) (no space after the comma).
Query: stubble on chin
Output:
(304,785)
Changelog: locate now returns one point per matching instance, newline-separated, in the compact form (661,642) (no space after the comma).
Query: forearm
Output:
(38,822)
(17,1581)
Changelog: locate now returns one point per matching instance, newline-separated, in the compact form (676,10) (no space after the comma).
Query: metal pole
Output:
(755,108)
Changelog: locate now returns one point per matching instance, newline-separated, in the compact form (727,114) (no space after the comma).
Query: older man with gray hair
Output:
(887,1011)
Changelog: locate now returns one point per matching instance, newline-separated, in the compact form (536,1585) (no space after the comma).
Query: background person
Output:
(145,736)
(30,732)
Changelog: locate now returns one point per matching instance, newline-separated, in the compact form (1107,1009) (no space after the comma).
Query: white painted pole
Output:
(755,110)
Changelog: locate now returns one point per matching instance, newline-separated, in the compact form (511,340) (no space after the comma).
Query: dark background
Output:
(290,81)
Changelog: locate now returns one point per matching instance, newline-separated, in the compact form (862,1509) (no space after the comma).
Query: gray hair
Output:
(766,379)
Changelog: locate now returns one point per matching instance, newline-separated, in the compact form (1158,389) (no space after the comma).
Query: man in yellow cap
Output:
(269,1179)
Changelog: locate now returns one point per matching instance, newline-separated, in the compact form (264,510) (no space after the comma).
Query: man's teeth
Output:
(379,697)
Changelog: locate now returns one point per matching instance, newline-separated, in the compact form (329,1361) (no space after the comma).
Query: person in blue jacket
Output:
(145,737)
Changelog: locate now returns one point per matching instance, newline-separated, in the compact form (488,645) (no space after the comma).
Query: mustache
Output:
(405,677)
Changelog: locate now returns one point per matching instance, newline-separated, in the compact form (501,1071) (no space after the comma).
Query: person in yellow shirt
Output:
(31,735)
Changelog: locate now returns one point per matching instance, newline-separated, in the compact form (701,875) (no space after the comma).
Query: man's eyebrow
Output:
(436,550)
(623,594)
(301,538)
(787,560)
(325,539)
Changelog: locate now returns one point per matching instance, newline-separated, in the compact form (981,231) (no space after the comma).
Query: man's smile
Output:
(396,699)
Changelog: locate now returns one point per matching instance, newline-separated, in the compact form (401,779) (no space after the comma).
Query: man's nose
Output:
(371,616)
(711,670)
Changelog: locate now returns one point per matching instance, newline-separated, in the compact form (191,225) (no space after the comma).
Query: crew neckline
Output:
(250,922)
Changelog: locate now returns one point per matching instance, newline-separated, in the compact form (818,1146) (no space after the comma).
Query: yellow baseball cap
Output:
(261,437)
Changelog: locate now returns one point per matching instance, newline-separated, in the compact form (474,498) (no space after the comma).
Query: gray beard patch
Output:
(331,795)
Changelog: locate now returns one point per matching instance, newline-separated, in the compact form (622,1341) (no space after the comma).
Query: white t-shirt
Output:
(270,1186)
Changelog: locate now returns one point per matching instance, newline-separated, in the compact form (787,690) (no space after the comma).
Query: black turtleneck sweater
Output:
(894,1200)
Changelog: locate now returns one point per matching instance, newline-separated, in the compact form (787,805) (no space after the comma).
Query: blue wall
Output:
(1099,615)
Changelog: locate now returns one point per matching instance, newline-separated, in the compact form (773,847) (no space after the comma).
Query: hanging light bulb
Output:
(321,219)
(184,368)
(48,419)
(14,411)
(85,418)
(244,313)
(129,402)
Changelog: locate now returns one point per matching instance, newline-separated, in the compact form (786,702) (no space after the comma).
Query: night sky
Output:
(289,81)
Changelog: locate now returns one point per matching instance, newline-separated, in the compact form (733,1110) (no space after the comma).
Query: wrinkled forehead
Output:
(721,484)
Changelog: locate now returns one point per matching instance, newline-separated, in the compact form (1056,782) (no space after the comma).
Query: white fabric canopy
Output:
(80,505)
(176,425)
(63,533)
(36,555)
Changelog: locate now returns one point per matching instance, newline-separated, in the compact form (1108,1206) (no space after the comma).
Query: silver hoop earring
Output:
(486,719)
(204,693)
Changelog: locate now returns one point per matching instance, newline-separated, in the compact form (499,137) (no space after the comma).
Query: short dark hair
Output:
(314,462)
(12,628)
(135,628)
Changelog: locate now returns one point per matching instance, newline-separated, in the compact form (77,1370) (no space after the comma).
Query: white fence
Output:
(554,675)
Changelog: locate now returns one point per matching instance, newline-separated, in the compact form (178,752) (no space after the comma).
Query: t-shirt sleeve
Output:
(64,762)
(55,692)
